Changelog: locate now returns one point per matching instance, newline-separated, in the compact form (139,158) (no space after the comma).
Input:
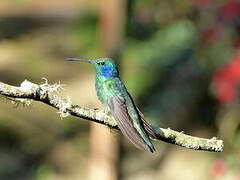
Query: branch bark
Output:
(49,95)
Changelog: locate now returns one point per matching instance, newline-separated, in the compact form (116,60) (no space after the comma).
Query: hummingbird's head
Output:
(104,66)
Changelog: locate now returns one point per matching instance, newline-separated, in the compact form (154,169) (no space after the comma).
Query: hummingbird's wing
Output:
(119,111)
(147,126)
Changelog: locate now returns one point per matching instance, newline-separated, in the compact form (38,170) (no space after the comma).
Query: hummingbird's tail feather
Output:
(125,124)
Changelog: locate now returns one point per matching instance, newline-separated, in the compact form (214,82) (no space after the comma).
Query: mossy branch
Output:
(48,94)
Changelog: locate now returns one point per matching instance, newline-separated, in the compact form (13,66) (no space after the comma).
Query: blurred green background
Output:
(179,59)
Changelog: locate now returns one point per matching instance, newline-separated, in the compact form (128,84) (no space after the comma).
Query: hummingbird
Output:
(115,98)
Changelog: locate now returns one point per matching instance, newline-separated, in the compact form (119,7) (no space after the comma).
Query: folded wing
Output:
(147,126)
(119,111)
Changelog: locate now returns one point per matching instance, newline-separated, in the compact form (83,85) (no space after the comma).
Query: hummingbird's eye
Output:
(102,63)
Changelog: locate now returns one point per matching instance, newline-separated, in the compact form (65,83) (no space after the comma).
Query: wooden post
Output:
(104,144)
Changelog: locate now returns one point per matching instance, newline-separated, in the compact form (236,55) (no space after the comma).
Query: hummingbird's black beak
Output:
(77,59)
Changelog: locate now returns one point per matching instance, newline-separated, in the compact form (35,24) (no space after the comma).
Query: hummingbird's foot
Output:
(107,112)
(103,110)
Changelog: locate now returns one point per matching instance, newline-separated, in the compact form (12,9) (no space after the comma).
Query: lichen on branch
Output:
(48,94)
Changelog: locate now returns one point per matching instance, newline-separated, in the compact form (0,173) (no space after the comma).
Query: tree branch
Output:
(48,94)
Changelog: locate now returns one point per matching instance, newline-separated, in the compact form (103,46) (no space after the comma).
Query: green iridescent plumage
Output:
(114,96)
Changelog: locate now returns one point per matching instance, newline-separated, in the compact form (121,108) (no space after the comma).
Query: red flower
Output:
(218,168)
(230,10)
(212,35)
(226,80)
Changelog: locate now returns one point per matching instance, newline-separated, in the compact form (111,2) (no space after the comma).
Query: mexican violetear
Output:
(114,96)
